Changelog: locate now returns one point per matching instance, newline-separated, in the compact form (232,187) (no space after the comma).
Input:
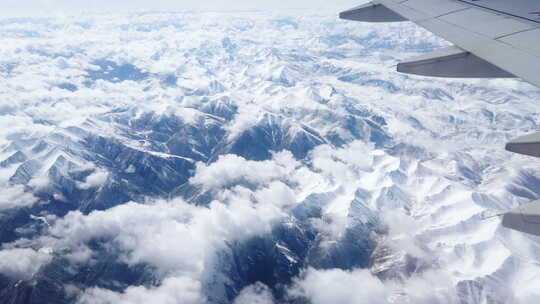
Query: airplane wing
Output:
(492,39)
(525,218)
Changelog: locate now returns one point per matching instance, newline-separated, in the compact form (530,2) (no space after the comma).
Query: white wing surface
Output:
(492,38)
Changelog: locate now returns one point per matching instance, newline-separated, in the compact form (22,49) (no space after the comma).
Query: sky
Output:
(47,7)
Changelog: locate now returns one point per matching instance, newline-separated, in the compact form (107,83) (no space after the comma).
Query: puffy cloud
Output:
(360,286)
(15,197)
(39,182)
(172,291)
(346,164)
(402,232)
(432,286)
(339,286)
(231,169)
(257,293)
(170,243)
(177,238)
(22,264)
(17,124)
(96,179)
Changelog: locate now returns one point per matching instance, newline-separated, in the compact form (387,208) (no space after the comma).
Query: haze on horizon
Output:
(55,7)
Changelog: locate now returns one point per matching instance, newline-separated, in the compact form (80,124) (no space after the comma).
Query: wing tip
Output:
(371,12)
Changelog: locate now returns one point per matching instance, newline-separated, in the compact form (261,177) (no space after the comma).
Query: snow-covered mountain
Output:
(254,158)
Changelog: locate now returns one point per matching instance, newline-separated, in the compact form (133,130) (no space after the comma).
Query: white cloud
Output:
(15,197)
(172,291)
(39,182)
(360,286)
(339,286)
(22,264)
(17,124)
(346,164)
(402,233)
(257,293)
(177,238)
(96,179)
(170,243)
(433,286)
(230,169)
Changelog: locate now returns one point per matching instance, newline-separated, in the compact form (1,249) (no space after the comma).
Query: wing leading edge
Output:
(492,39)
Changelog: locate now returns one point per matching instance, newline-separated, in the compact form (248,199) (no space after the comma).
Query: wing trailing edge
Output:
(526,145)
(524,218)
(451,62)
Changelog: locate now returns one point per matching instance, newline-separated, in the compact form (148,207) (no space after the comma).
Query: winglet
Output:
(371,12)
